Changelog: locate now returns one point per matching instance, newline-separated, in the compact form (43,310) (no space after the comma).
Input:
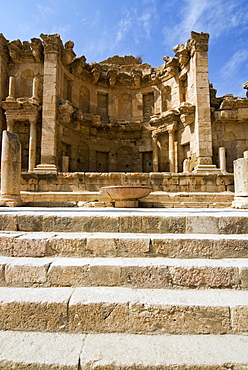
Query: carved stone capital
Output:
(65,112)
(96,75)
(172,127)
(112,75)
(52,43)
(68,54)
(198,42)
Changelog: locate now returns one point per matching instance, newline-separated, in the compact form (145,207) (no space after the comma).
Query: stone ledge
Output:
(46,351)
(99,310)
(125,272)
(49,244)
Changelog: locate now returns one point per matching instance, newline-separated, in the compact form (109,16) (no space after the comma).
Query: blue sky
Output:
(147,28)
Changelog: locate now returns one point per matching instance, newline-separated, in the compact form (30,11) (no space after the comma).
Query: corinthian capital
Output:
(172,127)
(198,42)
(52,43)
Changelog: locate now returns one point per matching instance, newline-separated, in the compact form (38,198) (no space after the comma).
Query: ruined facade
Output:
(119,115)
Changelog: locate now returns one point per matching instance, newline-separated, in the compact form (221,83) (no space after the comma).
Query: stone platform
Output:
(85,288)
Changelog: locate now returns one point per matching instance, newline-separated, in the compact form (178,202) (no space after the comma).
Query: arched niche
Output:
(125,106)
(84,99)
(26,83)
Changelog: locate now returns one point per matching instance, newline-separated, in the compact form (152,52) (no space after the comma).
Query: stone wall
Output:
(76,182)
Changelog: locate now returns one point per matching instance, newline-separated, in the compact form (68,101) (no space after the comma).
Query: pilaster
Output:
(52,52)
(198,47)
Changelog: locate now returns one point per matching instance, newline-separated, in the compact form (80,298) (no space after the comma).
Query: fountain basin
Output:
(125,196)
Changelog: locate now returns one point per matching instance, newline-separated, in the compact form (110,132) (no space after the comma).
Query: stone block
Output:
(8,222)
(173,225)
(31,245)
(233,225)
(42,309)
(130,224)
(46,351)
(244,276)
(27,271)
(100,223)
(177,319)
(145,276)
(124,245)
(68,244)
(239,318)
(99,310)
(164,352)
(197,276)
(104,273)
(202,225)
(28,222)
(7,241)
(231,246)
(69,272)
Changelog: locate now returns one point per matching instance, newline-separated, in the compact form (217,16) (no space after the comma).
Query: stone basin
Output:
(125,196)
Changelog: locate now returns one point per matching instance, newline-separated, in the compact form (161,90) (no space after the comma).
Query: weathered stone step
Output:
(41,244)
(143,220)
(98,310)
(125,272)
(22,350)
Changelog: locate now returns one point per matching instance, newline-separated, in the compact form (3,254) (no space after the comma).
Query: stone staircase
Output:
(123,289)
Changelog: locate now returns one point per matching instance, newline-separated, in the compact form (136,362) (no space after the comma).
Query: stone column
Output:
(240,183)
(65,163)
(10,170)
(171,131)
(32,146)
(52,52)
(11,95)
(155,153)
(222,158)
(198,45)
(35,88)
(4,58)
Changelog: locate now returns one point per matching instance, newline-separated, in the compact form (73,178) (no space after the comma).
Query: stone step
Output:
(63,351)
(133,311)
(41,244)
(124,272)
(141,220)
